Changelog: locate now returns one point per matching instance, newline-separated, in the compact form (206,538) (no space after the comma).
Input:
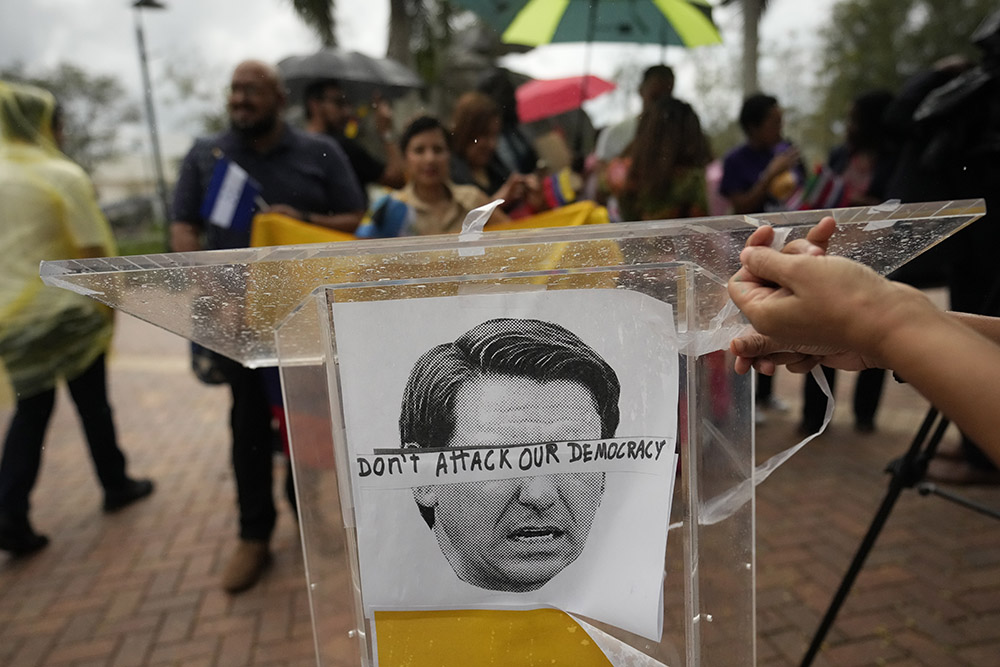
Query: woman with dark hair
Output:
(429,203)
(476,128)
(515,151)
(666,178)
(866,159)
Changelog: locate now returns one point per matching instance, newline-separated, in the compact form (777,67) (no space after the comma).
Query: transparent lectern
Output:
(651,564)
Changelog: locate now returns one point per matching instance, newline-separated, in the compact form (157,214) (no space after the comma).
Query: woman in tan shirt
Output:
(429,203)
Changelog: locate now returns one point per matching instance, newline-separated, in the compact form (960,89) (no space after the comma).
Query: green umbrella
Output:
(535,22)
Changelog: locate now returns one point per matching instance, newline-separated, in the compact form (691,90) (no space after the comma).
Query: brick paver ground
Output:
(141,587)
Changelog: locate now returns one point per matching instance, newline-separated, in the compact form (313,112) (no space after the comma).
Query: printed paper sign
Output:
(512,451)
(412,467)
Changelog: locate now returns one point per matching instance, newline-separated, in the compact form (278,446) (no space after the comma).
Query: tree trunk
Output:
(752,11)
(318,15)
(399,33)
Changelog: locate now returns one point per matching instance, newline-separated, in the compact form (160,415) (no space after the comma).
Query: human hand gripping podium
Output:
(515,447)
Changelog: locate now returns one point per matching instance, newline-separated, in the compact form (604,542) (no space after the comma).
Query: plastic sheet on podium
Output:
(650,569)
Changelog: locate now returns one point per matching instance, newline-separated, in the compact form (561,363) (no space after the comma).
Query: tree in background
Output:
(789,73)
(318,15)
(880,43)
(95,107)
(420,33)
(430,38)
(752,11)
(715,81)
(188,89)
(403,14)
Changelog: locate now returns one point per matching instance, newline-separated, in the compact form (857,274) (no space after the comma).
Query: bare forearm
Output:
(393,175)
(833,308)
(988,327)
(957,369)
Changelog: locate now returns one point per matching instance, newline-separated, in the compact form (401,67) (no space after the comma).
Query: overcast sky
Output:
(209,37)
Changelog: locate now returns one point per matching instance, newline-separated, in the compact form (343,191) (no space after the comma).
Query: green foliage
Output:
(751,12)
(154,242)
(763,4)
(189,90)
(716,76)
(94,106)
(431,35)
(318,15)
(872,44)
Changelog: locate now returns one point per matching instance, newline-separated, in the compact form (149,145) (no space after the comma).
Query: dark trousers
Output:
(253,451)
(867,394)
(765,385)
(22,450)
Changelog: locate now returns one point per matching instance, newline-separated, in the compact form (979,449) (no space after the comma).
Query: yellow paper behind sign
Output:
(484,638)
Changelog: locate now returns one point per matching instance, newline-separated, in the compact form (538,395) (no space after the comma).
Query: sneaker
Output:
(126,494)
(18,538)
(246,566)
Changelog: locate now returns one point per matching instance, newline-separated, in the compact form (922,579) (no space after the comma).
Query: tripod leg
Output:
(852,572)
(898,482)
(932,489)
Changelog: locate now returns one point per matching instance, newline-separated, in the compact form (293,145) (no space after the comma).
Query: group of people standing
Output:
(321,176)
(650,166)
(653,166)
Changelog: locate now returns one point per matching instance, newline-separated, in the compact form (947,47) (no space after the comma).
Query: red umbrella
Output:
(542,98)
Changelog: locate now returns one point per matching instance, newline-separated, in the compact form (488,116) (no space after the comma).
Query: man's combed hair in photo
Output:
(532,349)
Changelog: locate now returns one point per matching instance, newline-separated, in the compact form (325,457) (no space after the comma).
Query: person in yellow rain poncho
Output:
(48,211)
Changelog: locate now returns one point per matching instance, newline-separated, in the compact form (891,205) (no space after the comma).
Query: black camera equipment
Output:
(906,472)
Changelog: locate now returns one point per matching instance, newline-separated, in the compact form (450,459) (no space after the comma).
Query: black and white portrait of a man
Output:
(510,381)
(478,467)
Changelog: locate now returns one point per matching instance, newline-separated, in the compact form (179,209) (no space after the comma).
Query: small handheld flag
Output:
(823,189)
(231,195)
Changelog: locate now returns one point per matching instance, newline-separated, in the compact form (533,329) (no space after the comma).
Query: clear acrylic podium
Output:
(279,306)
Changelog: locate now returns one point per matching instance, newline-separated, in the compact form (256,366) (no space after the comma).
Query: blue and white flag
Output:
(229,201)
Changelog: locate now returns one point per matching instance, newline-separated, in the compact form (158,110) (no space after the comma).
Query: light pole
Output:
(147,89)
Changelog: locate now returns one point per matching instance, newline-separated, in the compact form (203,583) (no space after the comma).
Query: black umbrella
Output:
(360,76)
